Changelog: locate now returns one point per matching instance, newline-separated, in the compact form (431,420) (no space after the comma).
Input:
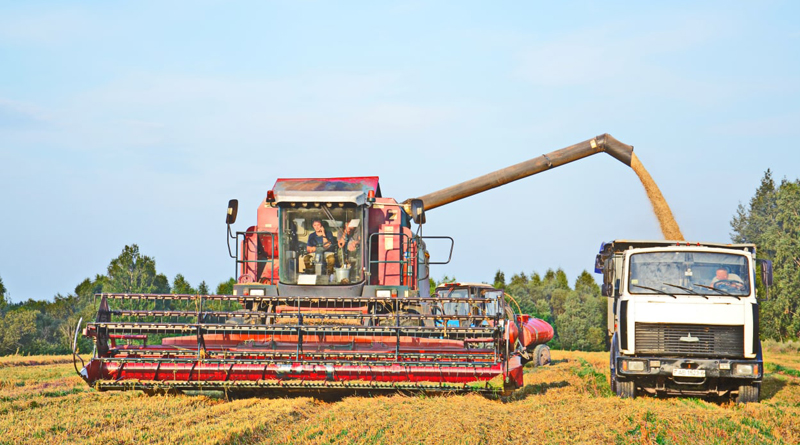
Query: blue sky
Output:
(135,122)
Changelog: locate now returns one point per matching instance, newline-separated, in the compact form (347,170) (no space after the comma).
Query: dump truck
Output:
(683,317)
(332,292)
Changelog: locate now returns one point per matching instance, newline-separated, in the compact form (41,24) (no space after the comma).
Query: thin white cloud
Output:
(47,28)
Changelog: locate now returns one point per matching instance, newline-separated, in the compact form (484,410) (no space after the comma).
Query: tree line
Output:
(577,314)
(771,221)
(48,327)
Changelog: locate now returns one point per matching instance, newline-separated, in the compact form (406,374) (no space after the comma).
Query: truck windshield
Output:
(689,273)
(321,245)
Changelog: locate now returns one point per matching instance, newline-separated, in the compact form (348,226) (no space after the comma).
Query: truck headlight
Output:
(745,369)
(633,365)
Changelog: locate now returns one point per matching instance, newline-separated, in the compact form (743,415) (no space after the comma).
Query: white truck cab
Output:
(683,317)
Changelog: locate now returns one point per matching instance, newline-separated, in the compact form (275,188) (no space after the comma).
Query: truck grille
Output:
(711,341)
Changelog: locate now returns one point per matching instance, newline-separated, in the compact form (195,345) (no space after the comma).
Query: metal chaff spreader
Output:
(332,292)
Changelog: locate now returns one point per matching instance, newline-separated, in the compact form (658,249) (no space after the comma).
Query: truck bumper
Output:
(689,375)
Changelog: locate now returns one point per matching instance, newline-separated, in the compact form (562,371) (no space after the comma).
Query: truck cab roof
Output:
(623,244)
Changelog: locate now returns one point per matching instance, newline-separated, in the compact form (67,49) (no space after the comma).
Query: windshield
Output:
(322,245)
(686,273)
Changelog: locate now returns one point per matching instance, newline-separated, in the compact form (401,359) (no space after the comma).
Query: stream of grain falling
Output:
(669,227)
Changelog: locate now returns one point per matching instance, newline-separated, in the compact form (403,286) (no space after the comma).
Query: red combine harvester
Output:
(332,293)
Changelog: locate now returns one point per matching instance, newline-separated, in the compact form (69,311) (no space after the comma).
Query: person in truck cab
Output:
(724,278)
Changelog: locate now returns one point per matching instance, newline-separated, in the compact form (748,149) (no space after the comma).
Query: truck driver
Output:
(730,279)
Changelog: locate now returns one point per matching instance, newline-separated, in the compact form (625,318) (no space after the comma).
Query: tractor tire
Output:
(541,355)
(625,389)
(748,393)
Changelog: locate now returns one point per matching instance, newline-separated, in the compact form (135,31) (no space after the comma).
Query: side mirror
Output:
(233,209)
(605,290)
(598,263)
(418,211)
(766,274)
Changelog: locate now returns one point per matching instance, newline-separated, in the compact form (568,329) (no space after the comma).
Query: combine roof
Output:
(353,184)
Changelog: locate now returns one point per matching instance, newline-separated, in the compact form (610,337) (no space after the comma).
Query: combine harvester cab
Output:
(332,293)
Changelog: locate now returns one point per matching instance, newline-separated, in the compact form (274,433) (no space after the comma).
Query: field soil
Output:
(42,400)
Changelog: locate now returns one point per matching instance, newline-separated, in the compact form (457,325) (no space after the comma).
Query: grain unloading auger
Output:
(332,292)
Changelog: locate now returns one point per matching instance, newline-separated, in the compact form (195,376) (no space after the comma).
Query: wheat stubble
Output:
(669,227)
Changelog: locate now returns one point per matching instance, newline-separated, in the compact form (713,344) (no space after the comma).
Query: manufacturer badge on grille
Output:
(689,339)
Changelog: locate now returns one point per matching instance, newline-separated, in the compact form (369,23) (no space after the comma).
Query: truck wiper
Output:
(686,289)
(659,291)
(727,294)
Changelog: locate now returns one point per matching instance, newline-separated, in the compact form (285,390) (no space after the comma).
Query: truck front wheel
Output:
(748,393)
(625,389)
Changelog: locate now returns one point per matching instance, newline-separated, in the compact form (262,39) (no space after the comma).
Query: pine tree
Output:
(499,280)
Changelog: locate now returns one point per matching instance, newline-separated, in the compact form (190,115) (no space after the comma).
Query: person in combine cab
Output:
(321,239)
(351,237)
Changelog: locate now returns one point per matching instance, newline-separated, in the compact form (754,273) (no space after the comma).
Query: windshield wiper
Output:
(686,289)
(727,294)
(659,291)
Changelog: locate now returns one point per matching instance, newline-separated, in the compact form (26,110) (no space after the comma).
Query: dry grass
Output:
(568,402)
(32,360)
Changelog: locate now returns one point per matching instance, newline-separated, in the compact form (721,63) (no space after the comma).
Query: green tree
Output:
(226,287)
(753,224)
(202,288)
(132,272)
(17,328)
(772,222)
(2,294)
(499,280)
(181,286)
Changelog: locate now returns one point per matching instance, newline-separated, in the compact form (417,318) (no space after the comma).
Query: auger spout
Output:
(602,143)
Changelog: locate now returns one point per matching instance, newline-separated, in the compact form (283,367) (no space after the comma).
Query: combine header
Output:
(332,292)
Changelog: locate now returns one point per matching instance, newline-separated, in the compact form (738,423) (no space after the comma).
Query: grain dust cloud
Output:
(669,227)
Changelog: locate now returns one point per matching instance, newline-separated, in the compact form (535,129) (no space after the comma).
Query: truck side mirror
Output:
(418,211)
(766,274)
(605,290)
(598,263)
(233,208)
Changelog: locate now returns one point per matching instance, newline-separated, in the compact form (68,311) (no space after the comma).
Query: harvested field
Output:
(568,402)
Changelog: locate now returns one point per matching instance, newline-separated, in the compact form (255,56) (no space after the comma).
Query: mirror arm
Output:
(228,242)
